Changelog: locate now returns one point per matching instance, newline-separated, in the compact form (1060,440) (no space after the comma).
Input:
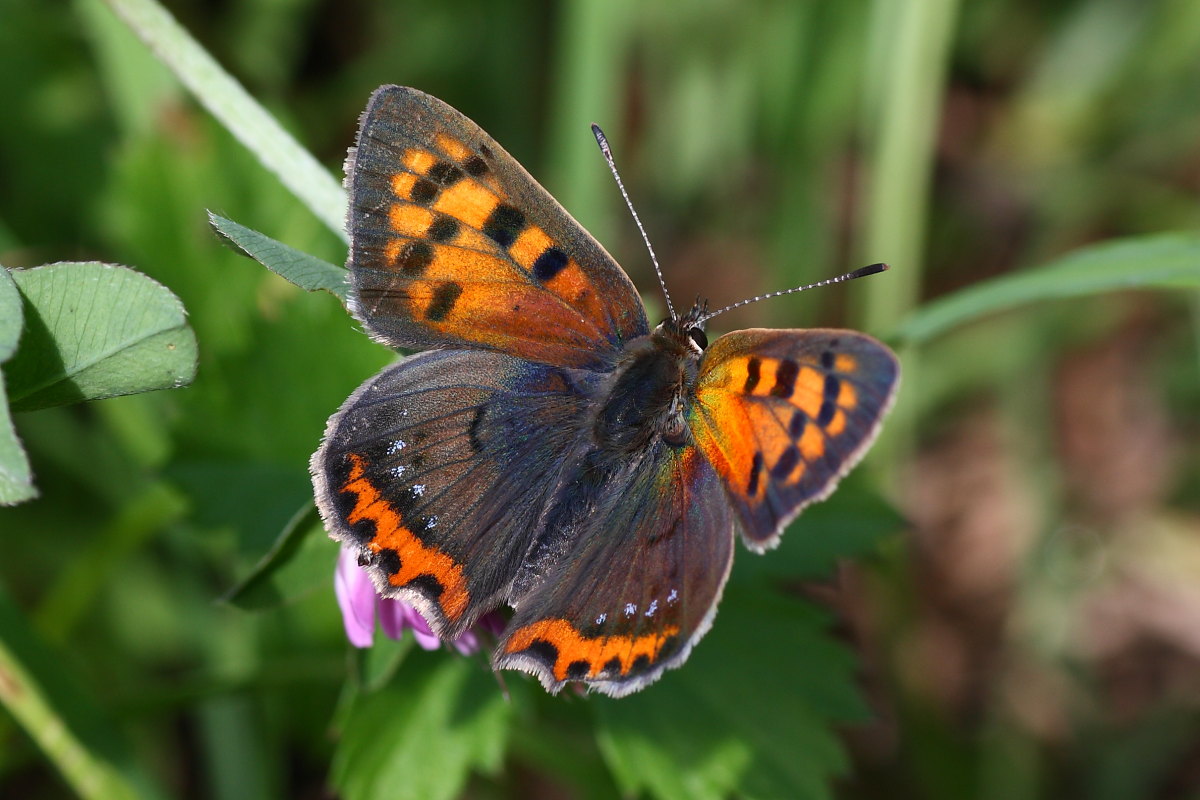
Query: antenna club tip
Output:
(872,269)
(602,140)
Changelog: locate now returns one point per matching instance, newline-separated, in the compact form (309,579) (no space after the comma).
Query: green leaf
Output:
(751,713)
(308,272)
(57,713)
(300,561)
(1162,261)
(16,478)
(425,733)
(374,667)
(11,316)
(850,524)
(96,330)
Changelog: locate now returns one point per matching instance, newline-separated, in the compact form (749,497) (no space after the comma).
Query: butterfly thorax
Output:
(648,397)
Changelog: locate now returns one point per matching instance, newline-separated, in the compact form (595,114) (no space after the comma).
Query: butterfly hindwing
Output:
(438,468)
(454,244)
(639,554)
(784,414)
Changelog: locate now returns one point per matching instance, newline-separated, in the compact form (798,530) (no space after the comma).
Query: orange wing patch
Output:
(578,656)
(529,245)
(450,203)
(469,202)
(765,419)
(418,161)
(416,558)
(409,221)
(452,147)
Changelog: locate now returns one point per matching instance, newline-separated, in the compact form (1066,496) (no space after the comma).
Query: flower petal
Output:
(466,644)
(421,630)
(356,598)
(393,616)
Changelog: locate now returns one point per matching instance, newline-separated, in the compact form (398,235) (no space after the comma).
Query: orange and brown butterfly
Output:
(548,450)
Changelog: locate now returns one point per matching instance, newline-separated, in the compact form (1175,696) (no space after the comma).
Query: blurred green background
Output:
(1030,630)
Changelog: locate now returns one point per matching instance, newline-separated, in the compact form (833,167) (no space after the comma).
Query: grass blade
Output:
(226,100)
(1160,261)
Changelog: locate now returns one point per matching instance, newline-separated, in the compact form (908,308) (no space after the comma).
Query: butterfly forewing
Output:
(783,415)
(453,243)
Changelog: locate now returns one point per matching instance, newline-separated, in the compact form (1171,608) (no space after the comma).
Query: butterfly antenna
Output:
(604,148)
(861,272)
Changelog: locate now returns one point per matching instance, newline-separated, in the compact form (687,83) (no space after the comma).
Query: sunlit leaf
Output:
(308,272)
(16,479)
(96,330)
(751,713)
(424,734)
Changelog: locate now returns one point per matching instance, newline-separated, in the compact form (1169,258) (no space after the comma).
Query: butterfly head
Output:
(687,330)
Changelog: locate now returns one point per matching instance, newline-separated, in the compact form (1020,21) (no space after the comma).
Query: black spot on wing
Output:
(415,258)
(504,225)
(785,378)
(829,404)
(388,560)
(543,651)
(423,192)
(475,166)
(443,229)
(786,463)
(755,470)
(428,585)
(444,173)
(551,262)
(475,427)
(578,670)
(753,375)
(442,303)
(363,531)
(797,425)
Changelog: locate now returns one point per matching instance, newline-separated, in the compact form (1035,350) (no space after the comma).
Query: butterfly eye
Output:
(697,336)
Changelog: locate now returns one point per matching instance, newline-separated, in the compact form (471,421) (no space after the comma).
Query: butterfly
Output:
(545,448)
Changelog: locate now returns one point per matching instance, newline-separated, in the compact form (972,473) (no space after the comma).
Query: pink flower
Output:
(361,605)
